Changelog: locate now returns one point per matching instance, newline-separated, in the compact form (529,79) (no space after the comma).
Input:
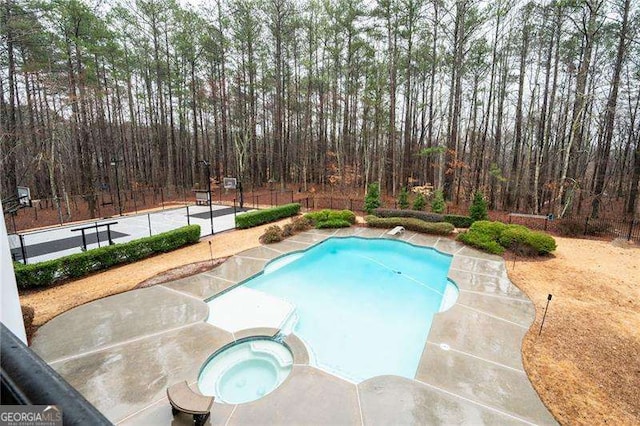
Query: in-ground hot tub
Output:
(246,371)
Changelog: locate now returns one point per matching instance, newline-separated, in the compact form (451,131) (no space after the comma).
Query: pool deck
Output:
(122,352)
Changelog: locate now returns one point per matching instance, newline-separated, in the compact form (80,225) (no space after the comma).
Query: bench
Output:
(546,218)
(184,399)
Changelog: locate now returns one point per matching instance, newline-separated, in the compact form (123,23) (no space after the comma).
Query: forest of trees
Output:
(534,103)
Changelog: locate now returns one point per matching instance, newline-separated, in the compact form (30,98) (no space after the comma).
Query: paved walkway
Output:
(122,352)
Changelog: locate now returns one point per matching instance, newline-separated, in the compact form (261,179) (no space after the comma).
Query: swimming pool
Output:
(346,294)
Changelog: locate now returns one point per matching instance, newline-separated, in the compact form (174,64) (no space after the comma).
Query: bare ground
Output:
(585,365)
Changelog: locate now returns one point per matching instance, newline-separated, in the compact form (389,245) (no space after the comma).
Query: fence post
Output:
(292,196)
(133,195)
(586,225)
(97,234)
(149,220)
(23,250)
(631,225)
(188,220)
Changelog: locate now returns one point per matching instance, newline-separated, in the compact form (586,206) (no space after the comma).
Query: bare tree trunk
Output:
(513,186)
(605,147)
(9,150)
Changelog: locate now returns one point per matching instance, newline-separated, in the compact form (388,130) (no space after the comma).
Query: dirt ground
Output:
(585,365)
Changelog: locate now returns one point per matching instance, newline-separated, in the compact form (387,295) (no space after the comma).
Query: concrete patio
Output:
(122,352)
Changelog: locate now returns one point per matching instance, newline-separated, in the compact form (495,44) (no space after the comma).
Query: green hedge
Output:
(425,216)
(331,218)
(458,221)
(455,220)
(333,223)
(259,217)
(410,223)
(45,273)
(495,237)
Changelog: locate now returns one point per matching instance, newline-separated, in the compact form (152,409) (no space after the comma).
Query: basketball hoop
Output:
(229,183)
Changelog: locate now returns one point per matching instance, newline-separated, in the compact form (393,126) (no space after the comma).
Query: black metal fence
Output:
(585,226)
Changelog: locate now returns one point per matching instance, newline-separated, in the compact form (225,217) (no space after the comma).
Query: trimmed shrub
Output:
(495,237)
(28,313)
(419,203)
(493,229)
(287,230)
(333,223)
(458,221)
(372,199)
(426,216)
(481,241)
(412,224)
(515,239)
(272,234)
(39,274)
(478,207)
(437,204)
(403,199)
(316,218)
(526,242)
(45,273)
(301,224)
(541,242)
(259,217)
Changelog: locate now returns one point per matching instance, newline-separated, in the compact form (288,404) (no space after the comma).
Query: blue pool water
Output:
(364,306)
(245,371)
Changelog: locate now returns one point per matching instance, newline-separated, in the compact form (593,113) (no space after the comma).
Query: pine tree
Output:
(437,204)
(372,199)
(419,203)
(403,199)
(478,208)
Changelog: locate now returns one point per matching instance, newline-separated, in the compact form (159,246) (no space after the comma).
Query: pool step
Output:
(245,308)
(279,353)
